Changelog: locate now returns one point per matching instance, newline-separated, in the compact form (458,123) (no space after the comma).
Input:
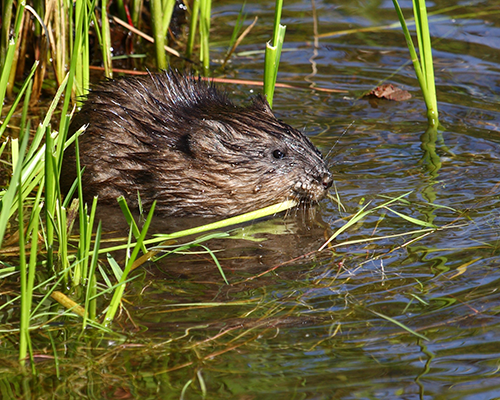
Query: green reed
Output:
(273,54)
(423,61)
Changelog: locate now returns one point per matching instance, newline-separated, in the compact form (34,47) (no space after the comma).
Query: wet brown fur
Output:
(180,141)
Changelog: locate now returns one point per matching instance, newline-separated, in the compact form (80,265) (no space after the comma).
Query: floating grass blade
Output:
(252,215)
(360,215)
(395,322)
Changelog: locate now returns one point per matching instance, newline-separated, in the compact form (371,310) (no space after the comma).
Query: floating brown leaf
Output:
(390,92)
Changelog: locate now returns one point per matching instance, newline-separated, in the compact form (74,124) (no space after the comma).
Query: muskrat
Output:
(180,141)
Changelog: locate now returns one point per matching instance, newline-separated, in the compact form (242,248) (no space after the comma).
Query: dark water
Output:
(325,325)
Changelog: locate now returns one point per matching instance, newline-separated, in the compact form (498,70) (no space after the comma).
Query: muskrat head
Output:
(181,142)
(258,159)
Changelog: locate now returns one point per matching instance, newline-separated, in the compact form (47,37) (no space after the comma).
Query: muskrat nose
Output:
(327,180)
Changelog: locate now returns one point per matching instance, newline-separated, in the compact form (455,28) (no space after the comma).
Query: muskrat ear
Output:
(208,138)
(260,103)
(184,144)
(200,139)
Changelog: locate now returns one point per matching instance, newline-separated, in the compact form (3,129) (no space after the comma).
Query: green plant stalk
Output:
(9,46)
(358,216)
(156,16)
(85,58)
(277,21)
(168,10)
(136,12)
(234,36)
(273,54)
(80,55)
(8,198)
(426,71)
(50,195)
(35,218)
(217,263)
(26,103)
(27,275)
(117,295)
(4,77)
(39,9)
(192,28)
(272,60)
(11,67)
(25,297)
(72,76)
(91,290)
(237,26)
(396,322)
(33,160)
(205,11)
(82,218)
(88,240)
(59,47)
(130,220)
(5,33)
(239,219)
(121,10)
(62,236)
(26,85)
(420,10)
(106,38)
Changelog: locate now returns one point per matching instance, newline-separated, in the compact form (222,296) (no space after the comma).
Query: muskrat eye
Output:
(278,154)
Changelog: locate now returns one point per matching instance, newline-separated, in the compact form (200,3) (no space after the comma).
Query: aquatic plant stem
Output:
(117,295)
(195,9)
(106,39)
(273,54)
(424,65)
(205,12)
(156,15)
(420,12)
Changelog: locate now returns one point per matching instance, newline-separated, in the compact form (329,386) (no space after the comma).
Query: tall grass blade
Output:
(7,200)
(423,65)
(157,19)
(117,295)
(273,54)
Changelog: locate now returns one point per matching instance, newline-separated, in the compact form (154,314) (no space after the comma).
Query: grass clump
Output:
(36,219)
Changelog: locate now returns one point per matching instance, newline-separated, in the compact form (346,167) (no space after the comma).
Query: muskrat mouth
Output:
(313,190)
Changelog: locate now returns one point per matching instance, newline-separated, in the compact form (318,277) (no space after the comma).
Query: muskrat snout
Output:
(182,143)
(327,180)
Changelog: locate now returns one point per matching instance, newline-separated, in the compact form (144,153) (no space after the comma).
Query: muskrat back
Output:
(183,143)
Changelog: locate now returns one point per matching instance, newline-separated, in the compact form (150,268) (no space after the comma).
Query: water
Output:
(329,325)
